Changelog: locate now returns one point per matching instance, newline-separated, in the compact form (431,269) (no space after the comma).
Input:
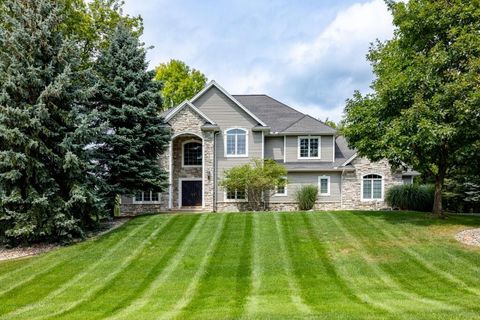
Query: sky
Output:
(309,54)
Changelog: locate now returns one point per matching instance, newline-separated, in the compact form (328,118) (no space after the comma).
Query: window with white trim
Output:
(192,153)
(236,142)
(372,187)
(324,185)
(281,190)
(309,147)
(235,195)
(146,196)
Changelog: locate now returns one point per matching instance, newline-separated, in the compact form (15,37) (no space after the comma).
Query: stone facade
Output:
(351,197)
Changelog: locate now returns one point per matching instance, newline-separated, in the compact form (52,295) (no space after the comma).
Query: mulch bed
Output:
(470,237)
(20,252)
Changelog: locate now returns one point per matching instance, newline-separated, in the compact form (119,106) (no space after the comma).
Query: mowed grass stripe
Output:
(111,271)
(256,270)
(350,265)
(45,282)
(140,275)
(295,292)
(337,287)
(161,273)
(406,297)
(226,284)
(413,273)
(393,234)
(194,282)
(47,263)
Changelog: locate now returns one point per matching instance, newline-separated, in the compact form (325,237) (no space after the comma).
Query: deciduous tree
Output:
(424,111)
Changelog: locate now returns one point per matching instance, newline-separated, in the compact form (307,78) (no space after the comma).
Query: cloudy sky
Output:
(309,54)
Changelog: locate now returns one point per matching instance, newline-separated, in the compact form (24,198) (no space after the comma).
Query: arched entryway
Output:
(187,171)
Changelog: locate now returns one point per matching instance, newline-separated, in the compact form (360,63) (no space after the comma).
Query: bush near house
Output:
(306,197)
(411,197)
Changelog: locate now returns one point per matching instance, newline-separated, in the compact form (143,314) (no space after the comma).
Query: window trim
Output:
(276,194)
(225,133)
(319,147)
(183,154)
(234,200)
(134,201)
(382,189)
(320,186)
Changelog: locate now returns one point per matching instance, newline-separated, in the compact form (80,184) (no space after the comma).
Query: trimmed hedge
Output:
(411,197)
(306,197)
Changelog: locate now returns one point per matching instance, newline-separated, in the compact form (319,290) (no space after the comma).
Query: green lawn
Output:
(342,265)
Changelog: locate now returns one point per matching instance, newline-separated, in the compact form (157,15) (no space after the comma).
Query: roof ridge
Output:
(304,115)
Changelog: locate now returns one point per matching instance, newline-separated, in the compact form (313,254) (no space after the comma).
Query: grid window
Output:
(372,187)
(235,195)
(236,142)
(309,147)
(282,190)
(192,154)
(147,196)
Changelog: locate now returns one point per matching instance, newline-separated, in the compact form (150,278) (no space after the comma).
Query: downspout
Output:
(341,189)
(215,172)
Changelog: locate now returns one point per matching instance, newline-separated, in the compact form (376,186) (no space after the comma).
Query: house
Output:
(215,131)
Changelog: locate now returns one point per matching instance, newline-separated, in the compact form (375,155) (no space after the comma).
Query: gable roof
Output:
(168,114)
(232,98)
(282,118)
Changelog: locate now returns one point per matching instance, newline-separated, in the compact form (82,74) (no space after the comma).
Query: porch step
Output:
(189,209)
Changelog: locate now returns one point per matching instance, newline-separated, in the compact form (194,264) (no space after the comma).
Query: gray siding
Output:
(326,150)
(274,148)
(298,179)
(227,114)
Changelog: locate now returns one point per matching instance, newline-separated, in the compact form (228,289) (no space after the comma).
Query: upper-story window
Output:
(236,144)
(309,147)
(372,187)
(192,153)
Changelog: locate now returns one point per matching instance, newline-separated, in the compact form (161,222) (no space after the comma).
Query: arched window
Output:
(372,187)
(192,153)
(236,142)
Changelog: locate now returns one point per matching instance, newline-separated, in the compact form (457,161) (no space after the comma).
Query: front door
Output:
(191,193)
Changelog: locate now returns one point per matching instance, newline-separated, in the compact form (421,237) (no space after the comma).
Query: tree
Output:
(424,109)
(330,123)
(134,135)
(180,82)
(259,179)
(44,172)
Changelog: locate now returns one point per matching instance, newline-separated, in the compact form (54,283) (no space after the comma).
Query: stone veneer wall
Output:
(352,183)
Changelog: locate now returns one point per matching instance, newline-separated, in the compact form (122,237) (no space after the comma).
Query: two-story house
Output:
(215,131)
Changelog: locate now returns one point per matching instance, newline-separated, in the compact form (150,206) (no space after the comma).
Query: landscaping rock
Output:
(470,237)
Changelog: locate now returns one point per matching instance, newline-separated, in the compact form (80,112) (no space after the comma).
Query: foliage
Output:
(306,197)
(257,178)
(134,135)
(91,24)
(462,193)
(44,171)
(411,197)
(424,110)
(180,82)
(330,123)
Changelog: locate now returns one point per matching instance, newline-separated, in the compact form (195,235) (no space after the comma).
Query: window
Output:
(309,147)
(235,195)
(372,187)
(281,190)
(192,153)
(147,196)
(236,142)
(324,185)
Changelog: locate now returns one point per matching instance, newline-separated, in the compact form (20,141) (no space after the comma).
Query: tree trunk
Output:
(437,199)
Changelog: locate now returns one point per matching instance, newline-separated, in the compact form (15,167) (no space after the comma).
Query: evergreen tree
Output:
(128,101)
(44,178)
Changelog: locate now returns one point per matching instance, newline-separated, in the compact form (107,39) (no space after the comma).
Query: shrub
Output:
(411,197)
(306,197)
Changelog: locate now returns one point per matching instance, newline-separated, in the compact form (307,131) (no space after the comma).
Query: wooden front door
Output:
(191,193)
